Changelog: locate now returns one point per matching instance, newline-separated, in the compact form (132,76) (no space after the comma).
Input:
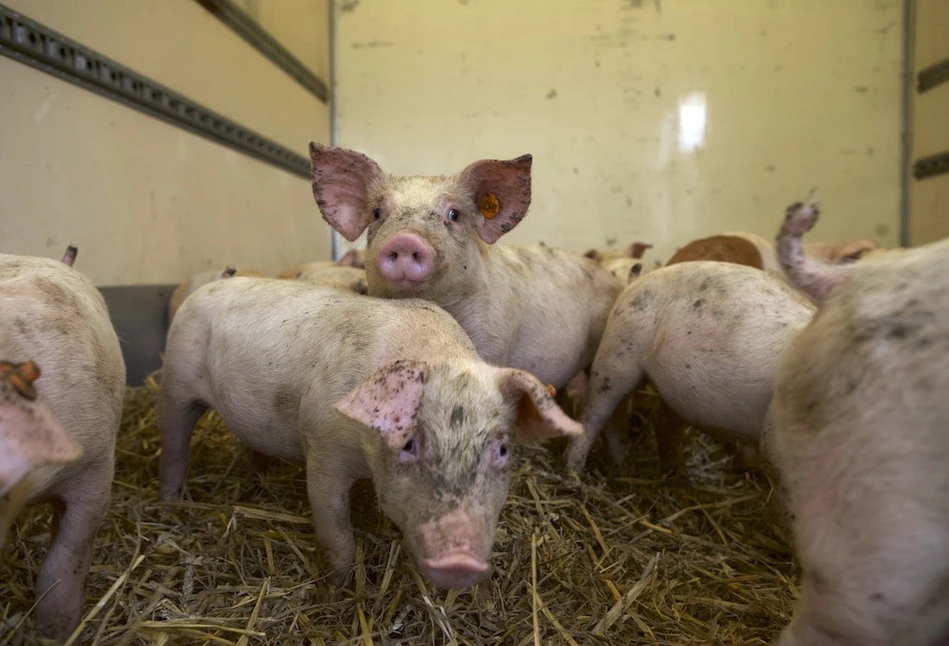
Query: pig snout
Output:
(453,570)
(449,556)
(406,258)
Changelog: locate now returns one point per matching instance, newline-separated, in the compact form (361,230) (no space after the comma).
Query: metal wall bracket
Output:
(247,28)
(33,44)
(931,166)
(932,76)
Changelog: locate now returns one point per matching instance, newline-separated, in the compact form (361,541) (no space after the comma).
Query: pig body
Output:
(199,280)
(858,437)
(707,335)
(56,318)
(534,308)
(356,388)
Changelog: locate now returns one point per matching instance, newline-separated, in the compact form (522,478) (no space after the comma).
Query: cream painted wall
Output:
(929,198)
(297,24)
(658,121)
(145,201)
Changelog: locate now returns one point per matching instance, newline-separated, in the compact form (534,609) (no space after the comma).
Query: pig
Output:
(69,256)
(722,248)
(200,279)
(707,335)
(357,387)
(533,308)
(622,263)
(30,438)
(56,318)
(329,274)
(857,435)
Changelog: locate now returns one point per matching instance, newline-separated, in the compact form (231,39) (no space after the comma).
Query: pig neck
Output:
(486,304)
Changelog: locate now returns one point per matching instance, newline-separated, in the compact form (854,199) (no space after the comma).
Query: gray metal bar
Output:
(258,38)
(41,48)
(932,76)
(906,119)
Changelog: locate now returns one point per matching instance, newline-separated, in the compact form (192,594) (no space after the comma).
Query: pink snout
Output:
(455,570)
(405,258)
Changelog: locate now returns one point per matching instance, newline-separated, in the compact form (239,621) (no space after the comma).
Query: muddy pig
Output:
(357,387)
(54,317)
(534,308)
(200,279)
(707,335)
(858,438)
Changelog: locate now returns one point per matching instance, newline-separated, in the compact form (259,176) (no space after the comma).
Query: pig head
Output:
(30,437)
(443,458)
(425,235)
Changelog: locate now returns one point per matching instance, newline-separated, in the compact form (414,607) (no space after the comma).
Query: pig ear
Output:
(637,249)
(502,192)
(389,400)
(850,251)
(341,180)
(538,415)
(592,254)
(350,259)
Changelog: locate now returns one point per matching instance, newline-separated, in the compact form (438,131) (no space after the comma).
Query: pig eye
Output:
(500,453)
(409,450)
(453,215)
(377,213)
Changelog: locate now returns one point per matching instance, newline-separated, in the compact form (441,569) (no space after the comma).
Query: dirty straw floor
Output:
(622,559)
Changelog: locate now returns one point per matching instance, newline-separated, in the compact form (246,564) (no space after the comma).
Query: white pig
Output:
(56,318)
(356,387)
(707,335)
(859,438)
(534,308)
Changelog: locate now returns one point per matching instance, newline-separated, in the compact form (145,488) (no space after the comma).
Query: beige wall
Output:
(929,198)
(654,121)
(148,202)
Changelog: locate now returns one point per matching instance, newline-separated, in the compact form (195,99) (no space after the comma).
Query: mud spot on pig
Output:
(605,387)
(697,305)
(643,300)
(458,416)
(283,399)
(877,596)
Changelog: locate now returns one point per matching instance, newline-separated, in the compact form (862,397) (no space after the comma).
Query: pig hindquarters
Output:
(528,307)
(54,317)
(356,388)
(707,335)
(859,440)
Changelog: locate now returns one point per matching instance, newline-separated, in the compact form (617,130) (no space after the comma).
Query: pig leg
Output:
(176,420)
(76,518)
(617,429)
(257,462)
(611,380)
(328,483)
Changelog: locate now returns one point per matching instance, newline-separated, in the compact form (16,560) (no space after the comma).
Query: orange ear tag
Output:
(551,390)
(489,206)
(21,376)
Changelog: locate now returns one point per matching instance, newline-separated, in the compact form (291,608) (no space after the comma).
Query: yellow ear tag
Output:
(489,205)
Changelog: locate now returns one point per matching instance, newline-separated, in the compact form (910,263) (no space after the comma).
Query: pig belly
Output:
(258,425)
(561,357)
(715,403)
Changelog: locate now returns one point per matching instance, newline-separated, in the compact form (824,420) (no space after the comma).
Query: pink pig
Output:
(357,387)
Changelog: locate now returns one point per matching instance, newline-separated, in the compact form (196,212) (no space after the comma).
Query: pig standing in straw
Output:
(860,439)
(356,387)
(708,335)
(529,307)
(64,367)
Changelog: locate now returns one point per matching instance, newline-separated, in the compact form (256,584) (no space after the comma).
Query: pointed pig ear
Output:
(502,192)
(538,415)
(388,402)
(637,249)
(341,181)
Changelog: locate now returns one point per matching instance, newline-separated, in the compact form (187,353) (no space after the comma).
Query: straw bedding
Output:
(621,557)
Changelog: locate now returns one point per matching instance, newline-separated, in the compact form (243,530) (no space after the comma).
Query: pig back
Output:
(55,317)
(272,346)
